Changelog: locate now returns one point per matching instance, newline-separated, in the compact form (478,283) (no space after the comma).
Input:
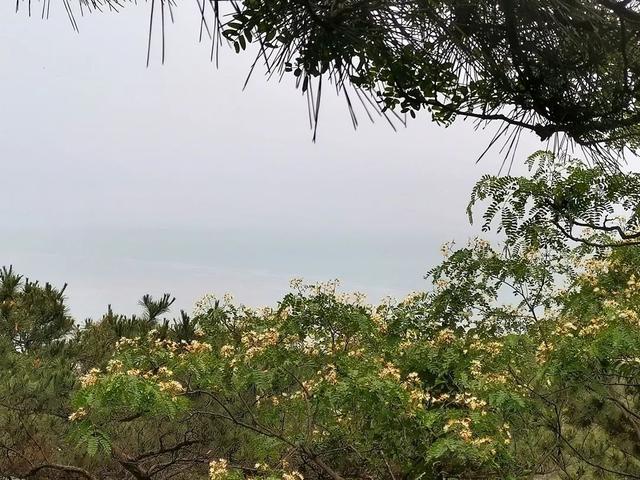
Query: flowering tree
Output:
(326,386)
(516,363)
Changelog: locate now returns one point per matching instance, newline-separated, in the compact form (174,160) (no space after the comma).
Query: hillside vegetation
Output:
(519,361)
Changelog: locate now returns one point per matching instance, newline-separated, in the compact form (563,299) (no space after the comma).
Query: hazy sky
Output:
(122,180)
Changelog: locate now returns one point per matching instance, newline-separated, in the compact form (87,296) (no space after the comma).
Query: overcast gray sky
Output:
(122,180)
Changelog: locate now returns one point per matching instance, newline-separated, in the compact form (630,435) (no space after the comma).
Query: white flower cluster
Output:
(78,414)
(294,475)
(90,378)
(258,342)
(218,469)
(390,371)
(171,387)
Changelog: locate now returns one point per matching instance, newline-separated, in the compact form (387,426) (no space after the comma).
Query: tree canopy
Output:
(519,362)
(563,69)
(516,363)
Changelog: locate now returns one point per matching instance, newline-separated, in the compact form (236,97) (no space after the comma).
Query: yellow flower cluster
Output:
(126,342)
(463,399)
(293,475)
(227,351)
(309,345)
(357,299)
(78,414)
(196,346)
(413,379)
(152,333)
(171,387)
(442,398)
(309,385)
(480,244)
(634,360)
(629,315)
(492,348)
(326,288)
(115,366)
(258,342)
(261,467)
(594,327)
(417,398)
(218,469)
(462,426)
(444,336)
(496,378)
(566,329)
(481,441)
(476,368)
(595,266)
(470,401)
(543,351)
(330,374)
(286,312)
(355,352)
(390,371)
(506,431)
(412,298)
(299,394)
(533,254)
(90,378)
(166,345)
(379,321)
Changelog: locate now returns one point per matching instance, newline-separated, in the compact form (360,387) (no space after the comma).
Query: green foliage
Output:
(575,62)
(549,67)
(31,316)
(409,389)
(563,199)
(517,362)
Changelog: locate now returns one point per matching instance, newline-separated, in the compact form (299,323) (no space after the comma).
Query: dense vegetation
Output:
(519,362)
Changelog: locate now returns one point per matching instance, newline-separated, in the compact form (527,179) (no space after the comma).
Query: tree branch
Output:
(64,468)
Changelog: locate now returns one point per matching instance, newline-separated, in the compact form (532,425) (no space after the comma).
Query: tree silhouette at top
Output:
(566,70)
